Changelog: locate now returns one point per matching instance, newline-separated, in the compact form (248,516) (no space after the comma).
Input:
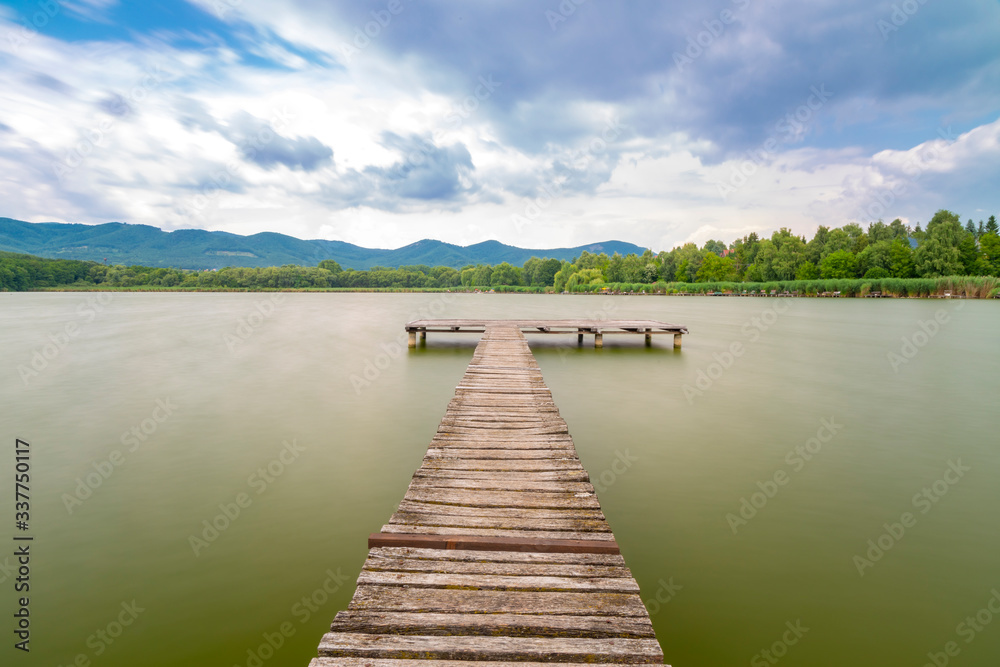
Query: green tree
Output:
(938,254)
(505,274)
(791,253)
(991,226)
(901,259)
(839,264)
(990,246)
(806,271)
(716,269)
(330,265)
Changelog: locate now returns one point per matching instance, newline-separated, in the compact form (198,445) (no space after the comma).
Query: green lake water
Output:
(312,414)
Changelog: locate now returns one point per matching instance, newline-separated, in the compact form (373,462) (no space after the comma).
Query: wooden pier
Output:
(596,328)
(499,552)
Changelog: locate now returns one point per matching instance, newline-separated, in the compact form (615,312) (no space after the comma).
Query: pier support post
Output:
(423,336)
(598,340)
(412,339)
(677,341)
(649,340)
(579,339)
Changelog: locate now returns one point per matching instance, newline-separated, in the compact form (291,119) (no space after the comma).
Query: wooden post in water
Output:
(423,335)
(677,341)
(649,339)
(579,339)
(412,339)
(598,339)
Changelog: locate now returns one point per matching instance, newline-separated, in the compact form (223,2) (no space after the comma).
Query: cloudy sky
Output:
(539,123)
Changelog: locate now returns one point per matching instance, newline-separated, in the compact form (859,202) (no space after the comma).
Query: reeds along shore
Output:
(970,287)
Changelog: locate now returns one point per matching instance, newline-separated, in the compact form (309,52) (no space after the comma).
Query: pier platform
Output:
(595,327)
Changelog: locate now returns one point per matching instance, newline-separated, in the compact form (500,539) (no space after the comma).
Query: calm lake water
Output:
(757,478)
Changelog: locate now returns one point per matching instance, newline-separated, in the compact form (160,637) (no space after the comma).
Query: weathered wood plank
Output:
(463,556)
(395,598)
(472,539)
(529,537)
(494,568)
(516,465)
(392,662)
(443,521)
(510,625)
(417,507)
(474,498)
(550,649)
(498,582)
(500,485)
(511,476)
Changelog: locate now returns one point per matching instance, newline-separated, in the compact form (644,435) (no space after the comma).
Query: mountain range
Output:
(123,243)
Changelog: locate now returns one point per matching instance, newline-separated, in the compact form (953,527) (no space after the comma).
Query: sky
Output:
(539,123)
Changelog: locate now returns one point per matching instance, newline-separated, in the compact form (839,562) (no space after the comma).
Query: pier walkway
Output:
(499,551)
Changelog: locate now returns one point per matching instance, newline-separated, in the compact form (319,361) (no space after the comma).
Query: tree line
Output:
(880,252)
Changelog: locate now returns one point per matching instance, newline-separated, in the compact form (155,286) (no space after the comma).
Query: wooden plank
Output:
(500,485)
(396,598)
(415,507)
(474,498)
(532,535)
(484,582)
(550,649)
(392,662)
(510,625)
(498,466)
(494,568)
(511,476)
(490,543)
(499,523)
(463,556)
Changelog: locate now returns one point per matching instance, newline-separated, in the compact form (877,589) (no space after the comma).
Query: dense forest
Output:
(884,257)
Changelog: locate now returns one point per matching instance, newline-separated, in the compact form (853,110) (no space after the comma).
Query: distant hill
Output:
(122,243)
